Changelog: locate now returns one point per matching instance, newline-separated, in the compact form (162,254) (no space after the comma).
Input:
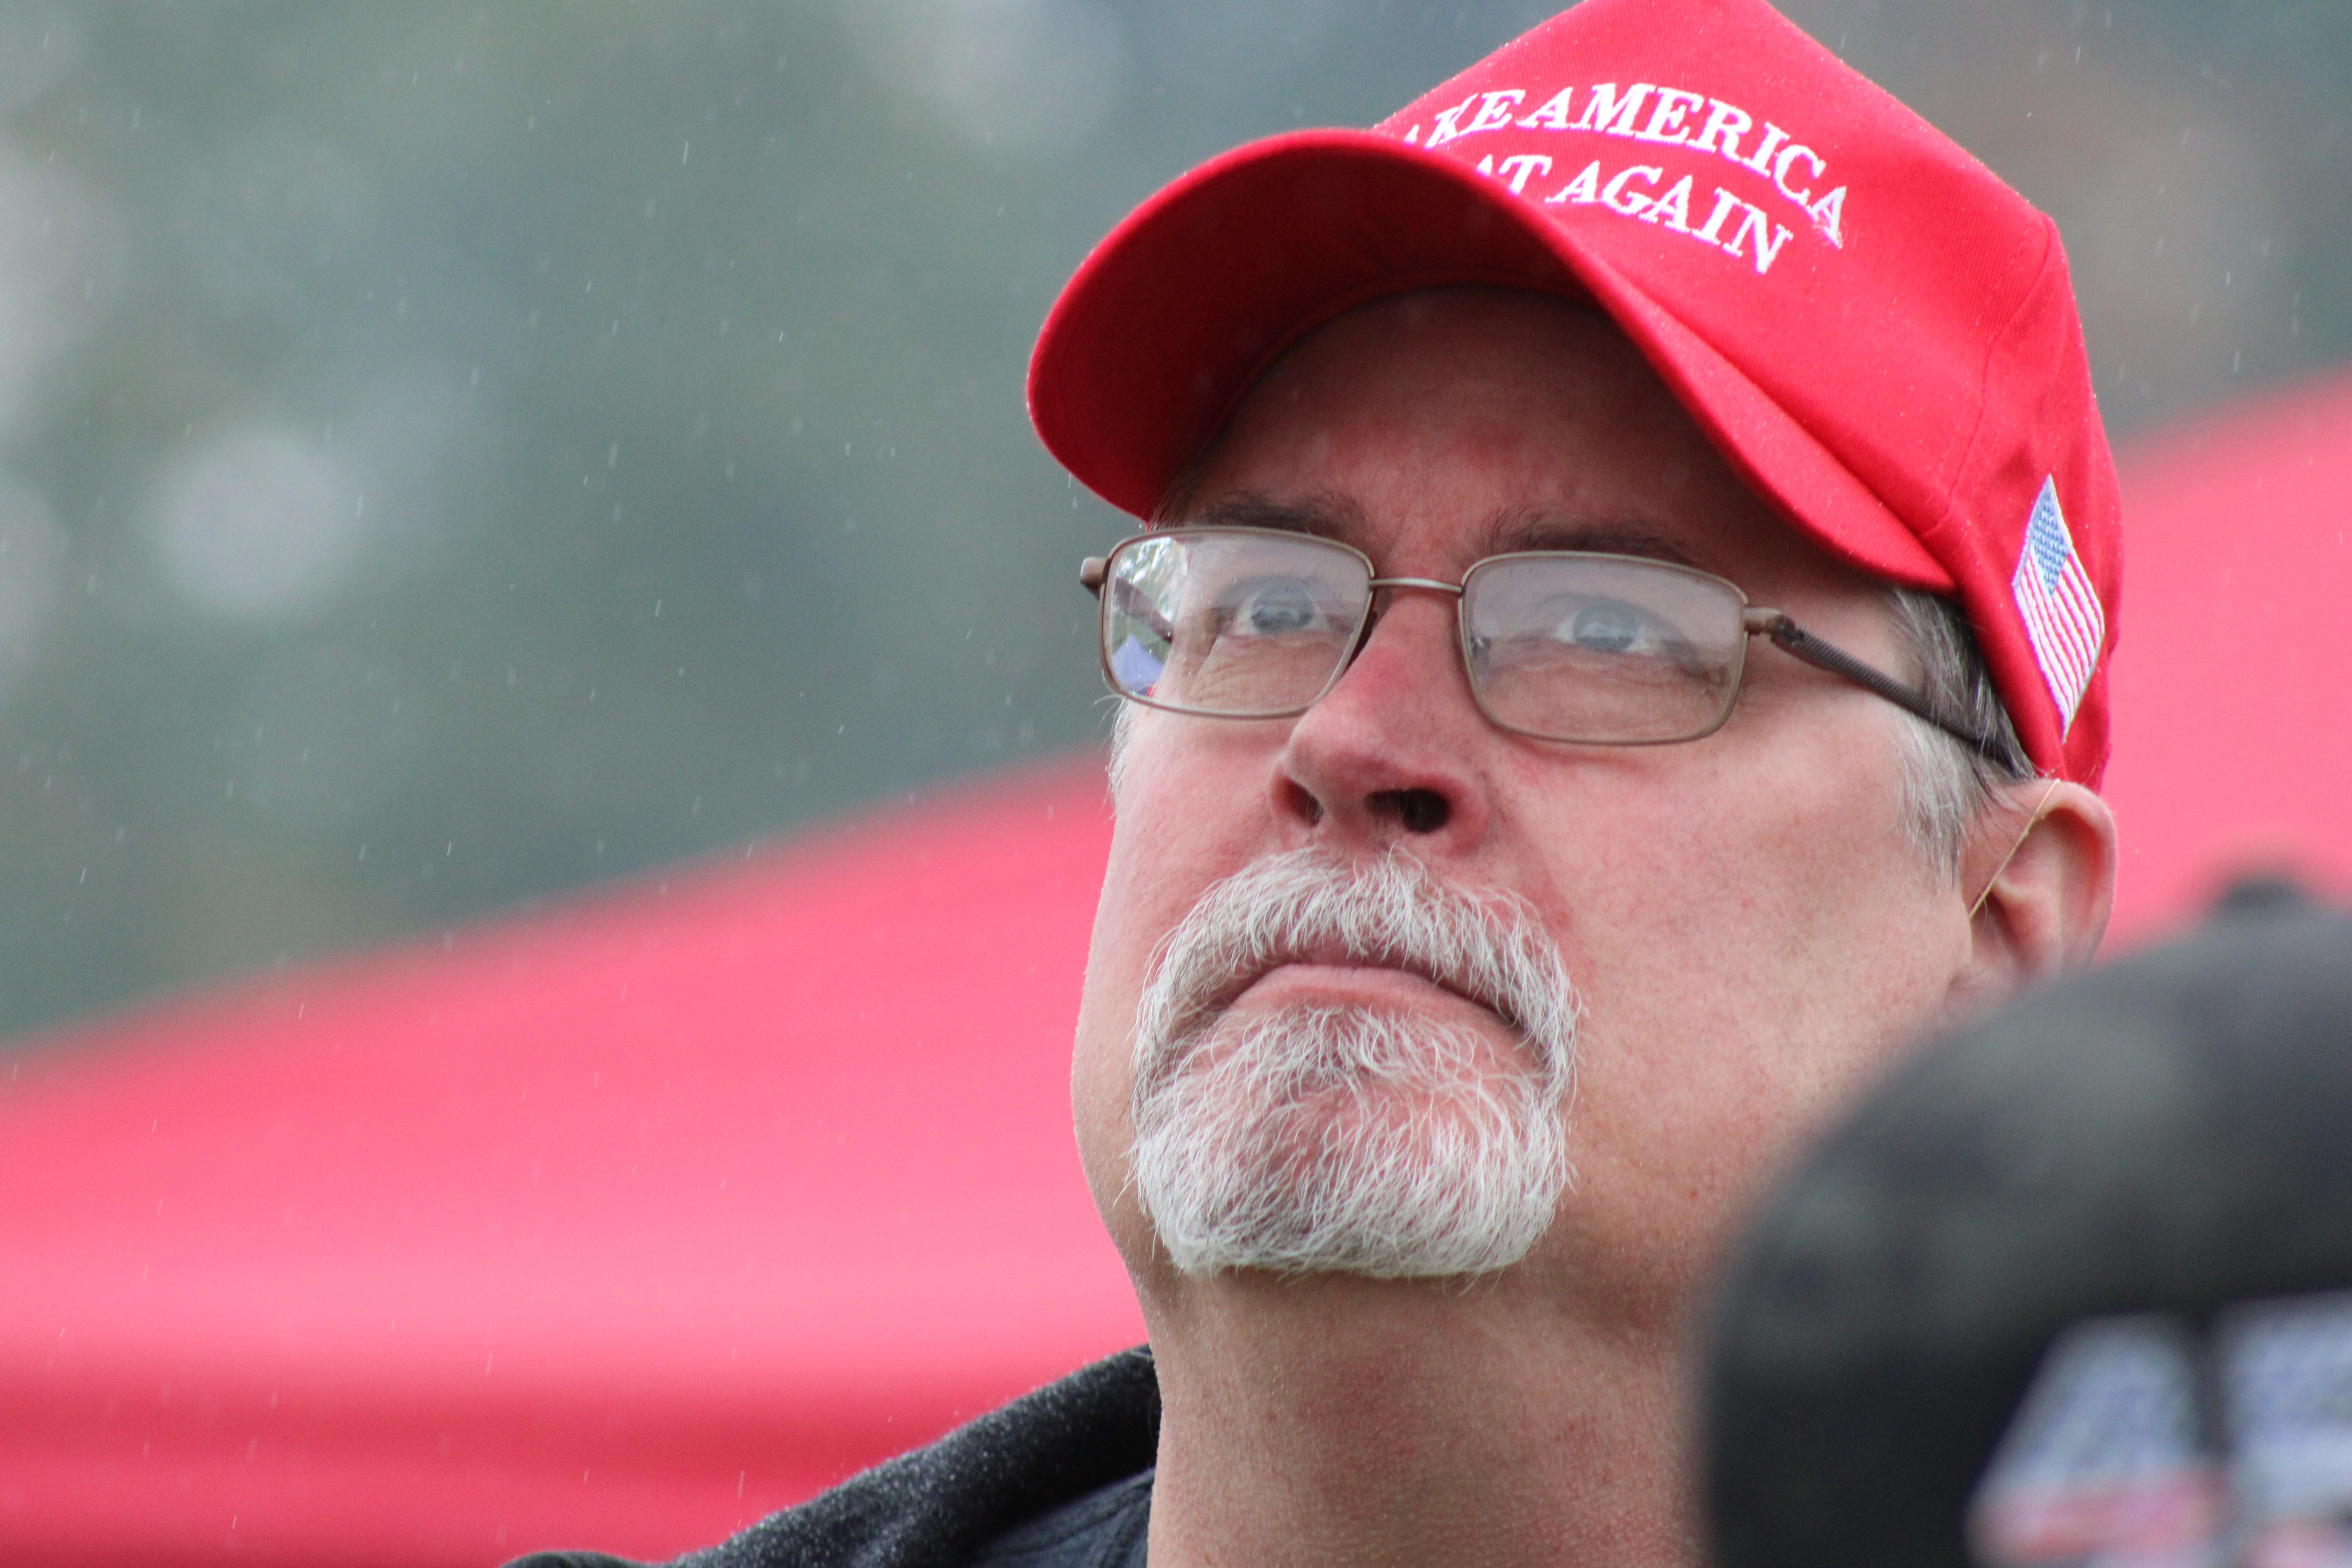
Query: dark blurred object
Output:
(2141,1168)
(2262,894)
(621,1228)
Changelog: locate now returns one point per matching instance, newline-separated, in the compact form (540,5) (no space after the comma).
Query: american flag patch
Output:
(2063,618)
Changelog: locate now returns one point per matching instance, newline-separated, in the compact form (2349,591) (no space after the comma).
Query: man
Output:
(1620,648)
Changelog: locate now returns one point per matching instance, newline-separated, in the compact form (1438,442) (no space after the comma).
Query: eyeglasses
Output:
(1606,650)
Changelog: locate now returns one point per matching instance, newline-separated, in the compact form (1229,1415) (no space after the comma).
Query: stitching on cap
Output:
(1947,483)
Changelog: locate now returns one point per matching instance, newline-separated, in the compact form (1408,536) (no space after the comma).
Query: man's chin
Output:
(1374,1180)
(1421,1129)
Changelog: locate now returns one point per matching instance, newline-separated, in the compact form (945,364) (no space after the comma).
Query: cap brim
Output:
(1186,303)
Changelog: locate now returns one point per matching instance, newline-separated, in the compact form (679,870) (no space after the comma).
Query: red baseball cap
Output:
(1878,334)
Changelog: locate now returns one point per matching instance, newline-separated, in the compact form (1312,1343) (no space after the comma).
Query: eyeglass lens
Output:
(1231,622)
(1598,648)
(1575,648)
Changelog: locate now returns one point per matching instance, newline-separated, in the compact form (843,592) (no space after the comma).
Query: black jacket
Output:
(936,1507)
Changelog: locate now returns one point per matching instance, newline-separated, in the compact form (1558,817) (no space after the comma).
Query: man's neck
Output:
(1353,1422)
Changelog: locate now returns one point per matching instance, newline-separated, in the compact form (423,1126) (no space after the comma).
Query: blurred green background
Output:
(450,455)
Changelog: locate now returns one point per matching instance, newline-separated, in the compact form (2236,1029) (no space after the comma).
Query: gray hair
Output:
(1945,782)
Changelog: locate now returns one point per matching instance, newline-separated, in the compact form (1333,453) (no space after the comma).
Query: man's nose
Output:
(1388,754)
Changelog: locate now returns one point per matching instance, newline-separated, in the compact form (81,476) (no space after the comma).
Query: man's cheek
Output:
(1117,967)
(1101,1080)
(1099,1084)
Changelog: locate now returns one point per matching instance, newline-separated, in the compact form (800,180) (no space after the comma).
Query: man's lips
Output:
(1346,979)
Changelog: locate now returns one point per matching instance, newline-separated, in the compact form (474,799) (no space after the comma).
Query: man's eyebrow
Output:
(1508,532)
(1519,529)
(1326,516)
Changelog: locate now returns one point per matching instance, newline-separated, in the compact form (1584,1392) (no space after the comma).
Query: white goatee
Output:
(1351,1138)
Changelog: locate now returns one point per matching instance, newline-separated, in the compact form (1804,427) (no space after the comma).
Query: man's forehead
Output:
(1534,417)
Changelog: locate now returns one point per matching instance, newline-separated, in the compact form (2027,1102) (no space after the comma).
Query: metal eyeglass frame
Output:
(1774,624)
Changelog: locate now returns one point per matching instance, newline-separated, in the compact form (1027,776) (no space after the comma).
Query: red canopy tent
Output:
(621,1225)
(617,1228)
(2233,680)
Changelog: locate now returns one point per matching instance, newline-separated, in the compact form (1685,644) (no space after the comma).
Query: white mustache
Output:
(1304,906)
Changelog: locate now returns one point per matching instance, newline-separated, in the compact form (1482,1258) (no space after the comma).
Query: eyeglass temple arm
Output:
(1792,638)
(1091,573)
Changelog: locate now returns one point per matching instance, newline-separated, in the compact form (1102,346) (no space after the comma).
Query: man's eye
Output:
(1273,609)
(1611,625)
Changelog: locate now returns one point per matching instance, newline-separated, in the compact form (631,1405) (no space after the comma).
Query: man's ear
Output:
(2044,858)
